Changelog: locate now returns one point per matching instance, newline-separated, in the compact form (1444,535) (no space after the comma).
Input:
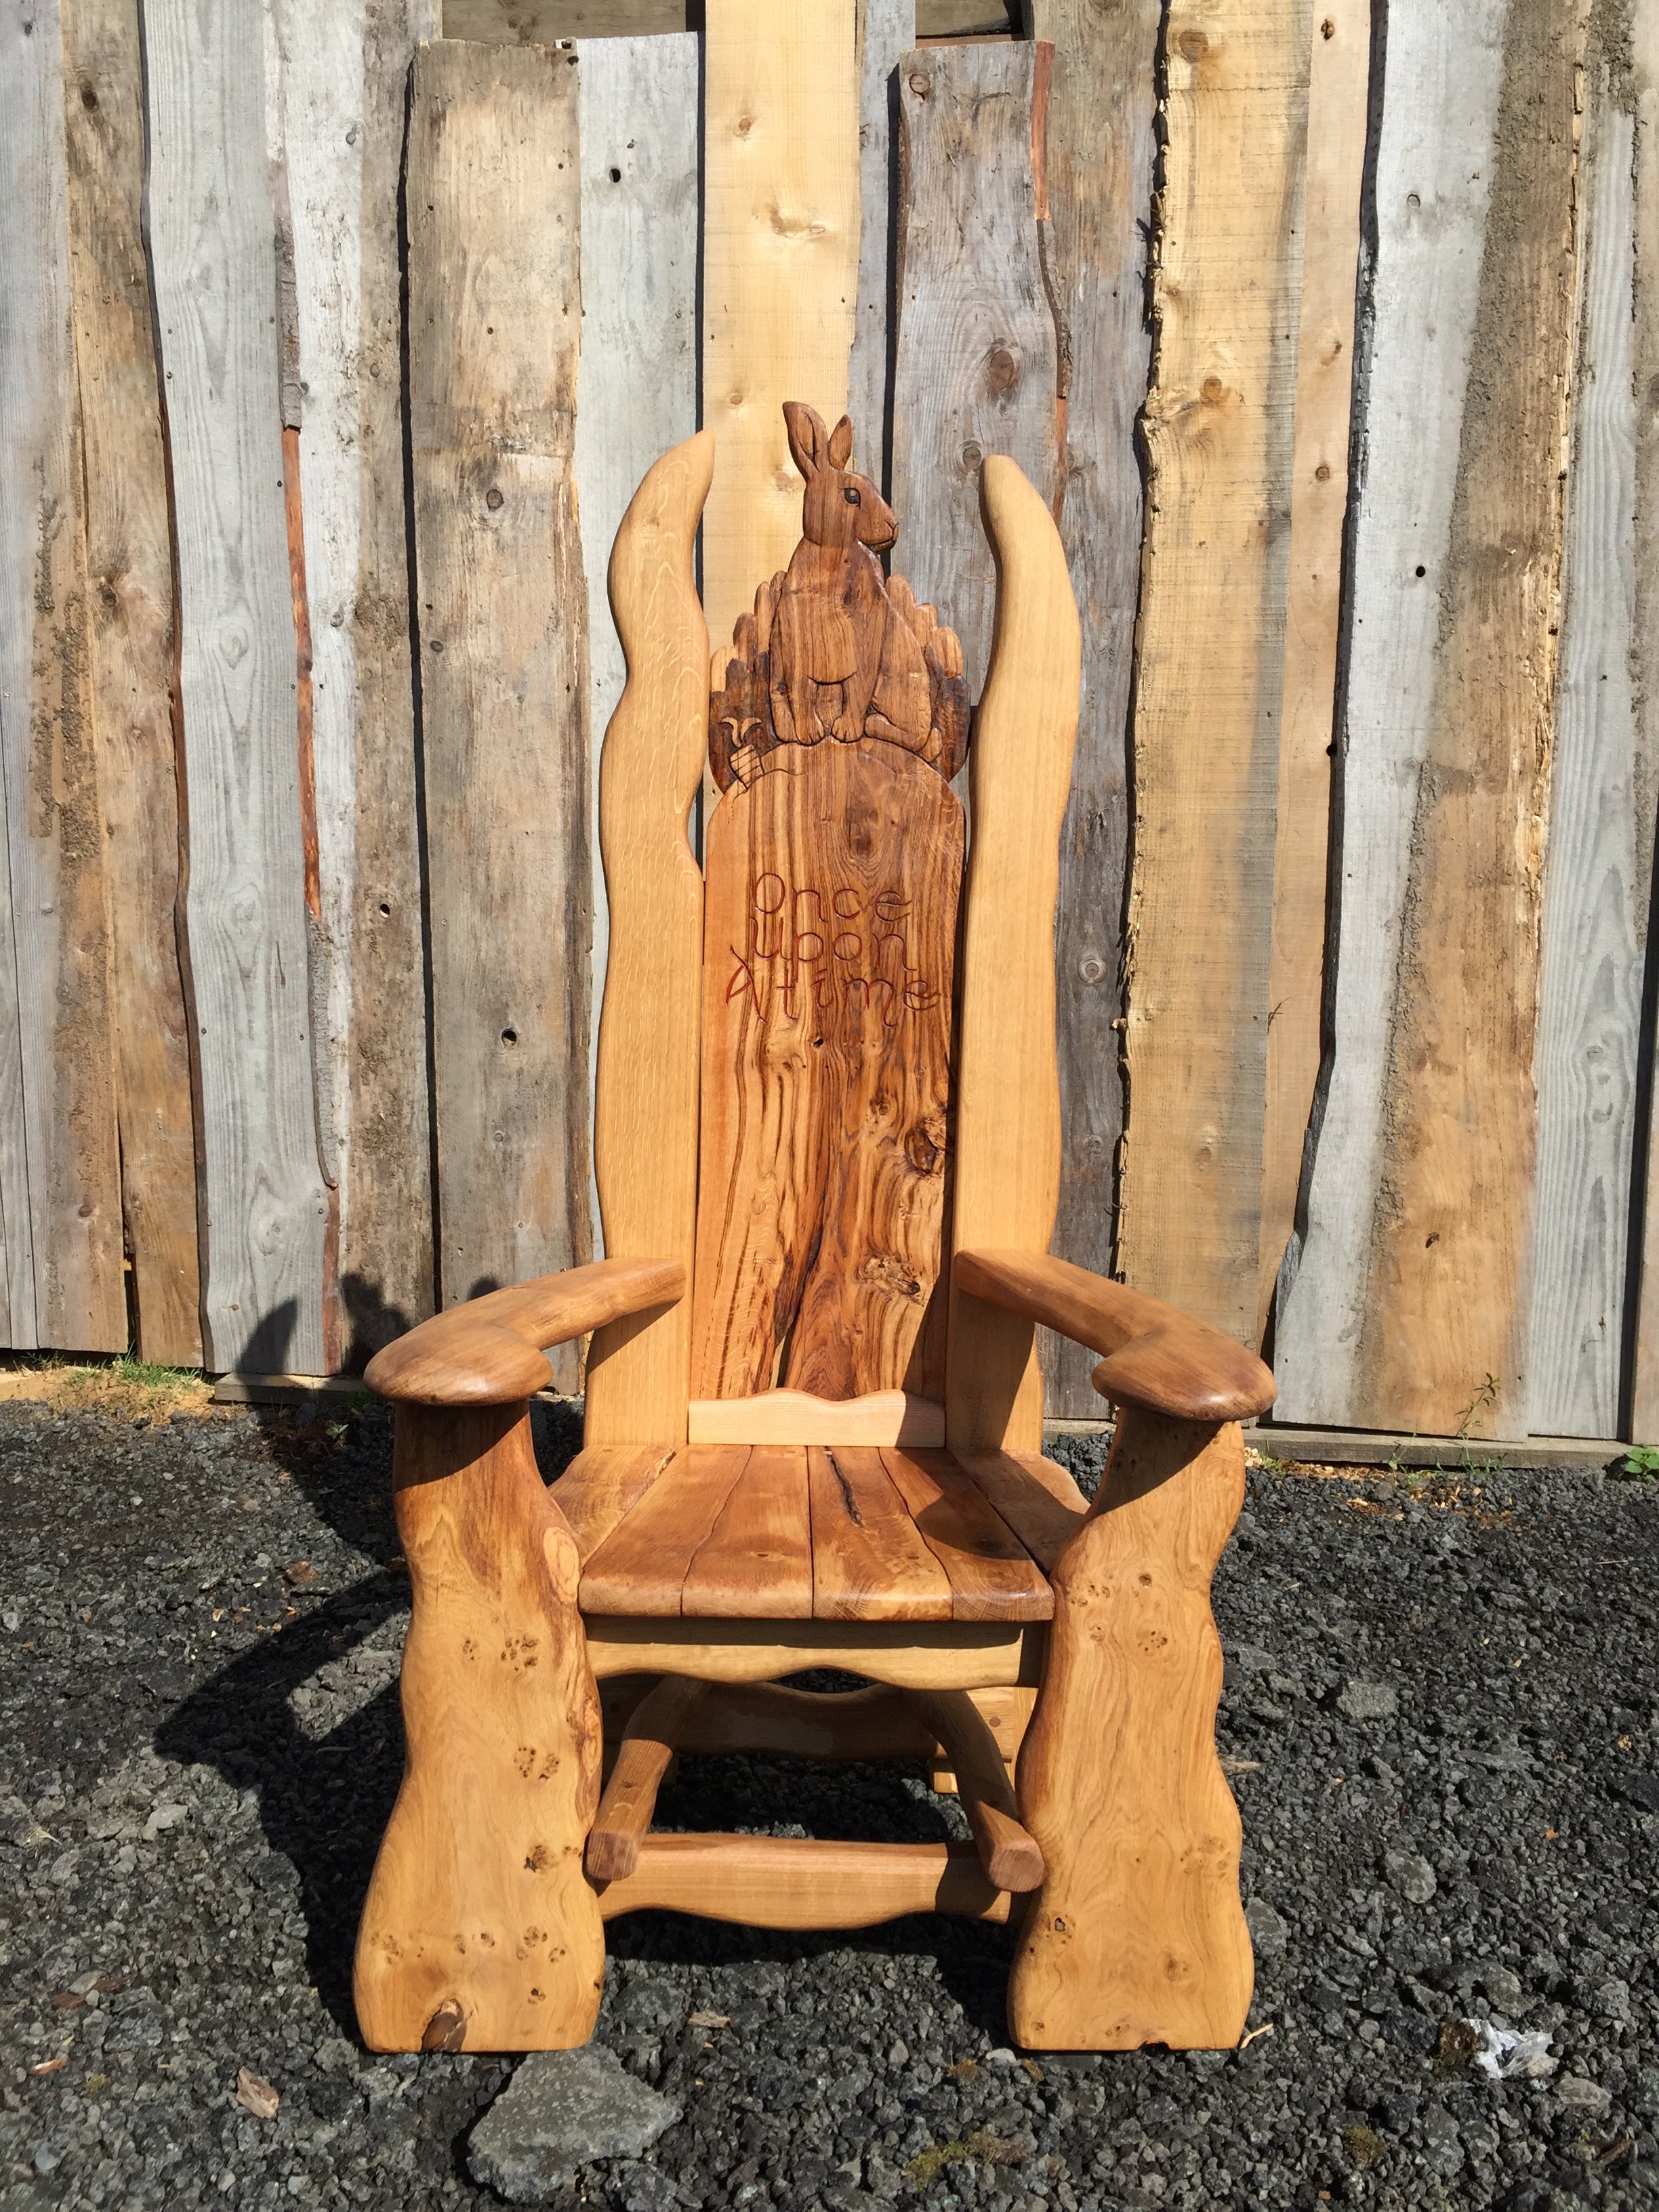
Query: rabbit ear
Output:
(806,436)
(841,443)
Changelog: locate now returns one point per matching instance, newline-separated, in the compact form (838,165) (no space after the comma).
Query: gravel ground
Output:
(1441,1705)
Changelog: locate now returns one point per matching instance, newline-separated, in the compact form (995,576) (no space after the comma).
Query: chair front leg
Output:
(1136,1934)
(480,1931)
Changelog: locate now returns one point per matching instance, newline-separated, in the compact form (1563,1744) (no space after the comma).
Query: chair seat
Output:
(794,1532)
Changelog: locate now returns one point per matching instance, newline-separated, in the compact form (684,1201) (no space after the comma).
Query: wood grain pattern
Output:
(1339,83)
(609,1480)
(477,1900)
(648,1743)
(1011,1859)
(758,1557)
(914,1655)
(493,223)
(886,32)
(636,386)
(874,1723)
(1593,927)
(1412,1304)
(1211,655)
(133,637)
(870,1561)
(265,1202)
(337,105)
(780,245)
(779,1881)
(829,944)
(1038,1499)
(794,1417)
(991,1574)
(1099,145)
(542,23)
(640,1569)
(1138,1934)
(1007,1157)
(645,1118)
(975,354)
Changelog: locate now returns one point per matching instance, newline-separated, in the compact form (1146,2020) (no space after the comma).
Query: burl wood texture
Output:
(645,1110)
(133,621)
(1137,1935)
(828,964)
(478,1900)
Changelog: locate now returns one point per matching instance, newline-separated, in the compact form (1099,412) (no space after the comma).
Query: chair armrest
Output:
(1154,1356)
(488,1351)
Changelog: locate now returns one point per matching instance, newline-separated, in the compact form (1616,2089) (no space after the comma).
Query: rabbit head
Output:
(840,508)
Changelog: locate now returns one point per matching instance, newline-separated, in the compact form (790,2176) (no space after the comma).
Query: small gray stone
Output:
(1612,2000)
(334,2055)
(562,2109)
(636,2187)
(1368,1701)
(899,2055)
(1268,1932)
(1444,2144)
(1583,2096)
(1412,1875)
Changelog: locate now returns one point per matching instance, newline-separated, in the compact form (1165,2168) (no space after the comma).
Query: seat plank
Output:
(1038,1500)
(641,1568)
(758,1558)
(991,1574)
(869,1560)
(602,1485)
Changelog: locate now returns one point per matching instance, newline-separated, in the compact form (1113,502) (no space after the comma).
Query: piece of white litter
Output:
(1504,2053)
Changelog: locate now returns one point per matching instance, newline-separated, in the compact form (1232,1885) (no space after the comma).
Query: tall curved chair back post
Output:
(1008,1146)
(645,1120)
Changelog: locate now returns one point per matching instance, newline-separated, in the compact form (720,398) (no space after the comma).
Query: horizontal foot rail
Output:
(783,1881)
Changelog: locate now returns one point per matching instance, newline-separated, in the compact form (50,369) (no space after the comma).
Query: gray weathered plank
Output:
(130,563)
(975,367)
(1099,175)
(211,242)
(59,1169)
(338,98)
(1590,979)
(494,208)
(1411,1303)
(637,385)
(886,32)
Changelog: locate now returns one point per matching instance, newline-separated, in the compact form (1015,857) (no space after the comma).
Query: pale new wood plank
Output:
(1339,80)
(1211,656)
(990,1572)
(211,233)
(1137,1935)
(495,308)
(133,635)
(637,386)
(781,243)
(1099,176)
(641,1568)
(886,32)
(869,1561)
(540,23)
(1040,1501)
(783,1881)
(756,1560)
(1007,1156)
(602,1485)
(337,103)
(1589,1007)
(645,1116)
(795,1417)
(916,1654)
(976,364)
(1411,1302)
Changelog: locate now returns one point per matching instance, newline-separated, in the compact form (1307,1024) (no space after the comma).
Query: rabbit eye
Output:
(850,496)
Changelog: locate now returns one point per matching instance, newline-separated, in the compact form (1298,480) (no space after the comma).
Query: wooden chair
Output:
(813,1435)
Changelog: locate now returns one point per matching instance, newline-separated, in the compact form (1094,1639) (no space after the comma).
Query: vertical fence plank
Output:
(1211,653)
(1100,146)
(211,232)
(1590,979)
(59,1152)
(886,32)
(495,210)
(339,103)
(130,570)
(1411,1303)
(637,385)
(975,371)
(781,242)
(1339,79)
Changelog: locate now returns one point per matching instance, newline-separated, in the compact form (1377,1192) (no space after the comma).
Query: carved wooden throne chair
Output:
(827,1145)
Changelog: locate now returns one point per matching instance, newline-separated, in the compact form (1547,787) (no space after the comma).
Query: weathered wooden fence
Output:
(333,338)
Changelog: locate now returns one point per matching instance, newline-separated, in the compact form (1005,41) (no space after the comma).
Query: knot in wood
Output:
(1003,370)
(921,84)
